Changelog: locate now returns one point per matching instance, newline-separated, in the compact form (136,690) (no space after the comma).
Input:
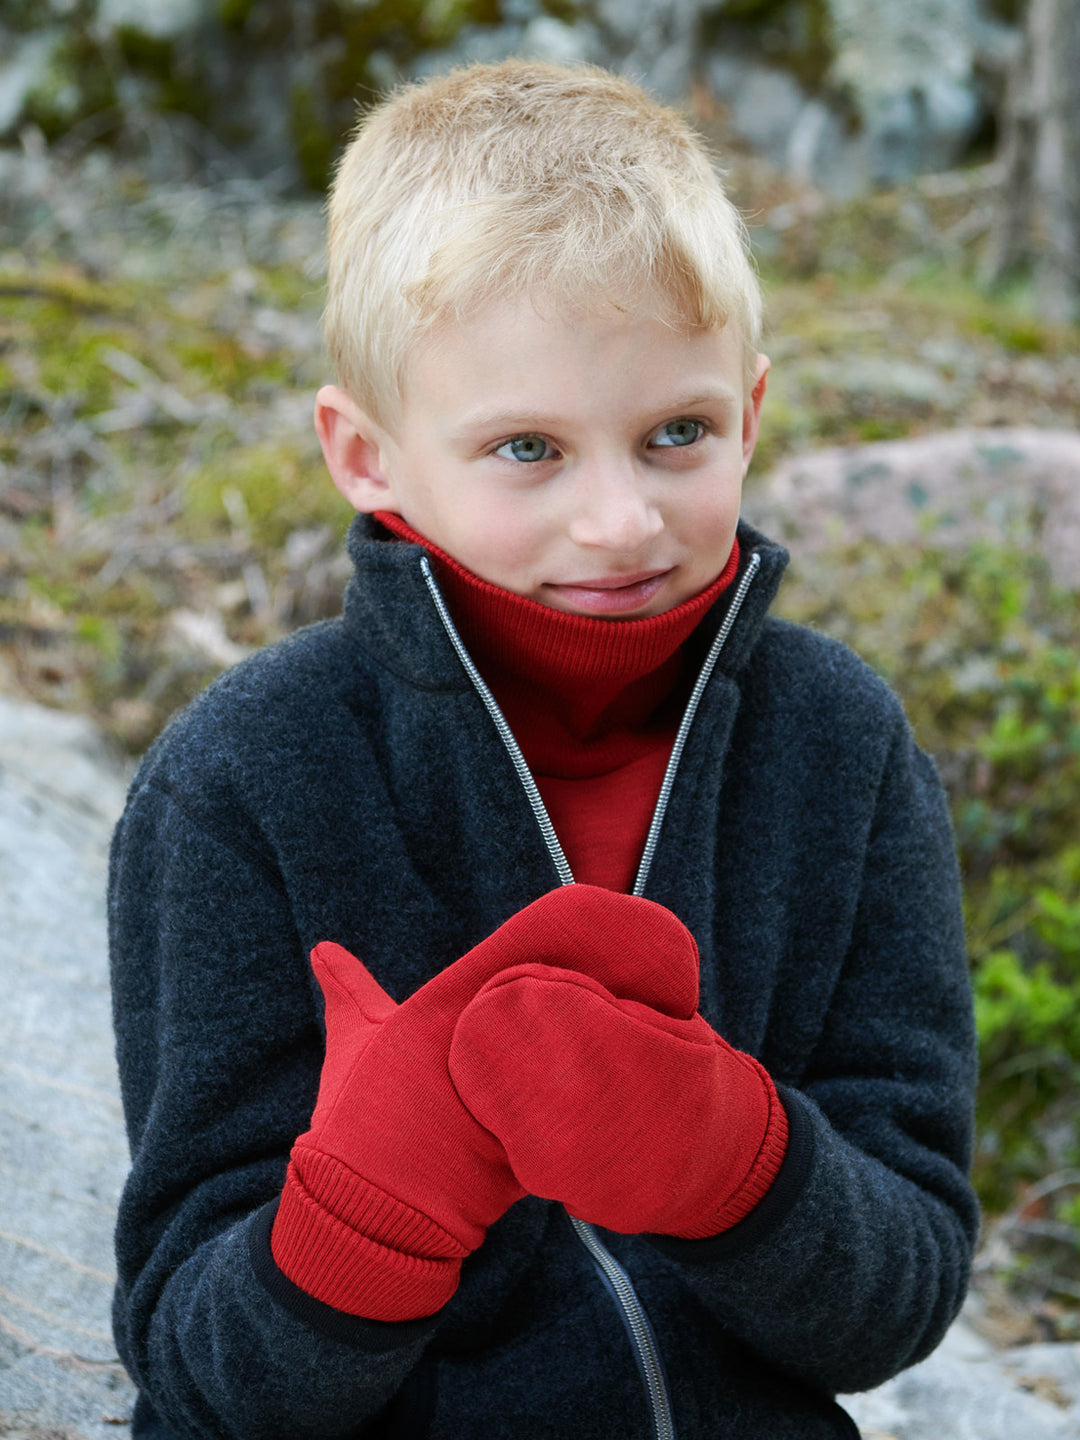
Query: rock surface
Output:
(897,89)
(62,1150)
(64,1156)
(967,1390)
(1001,485)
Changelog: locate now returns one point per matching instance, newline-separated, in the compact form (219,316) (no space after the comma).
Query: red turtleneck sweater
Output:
(595,704)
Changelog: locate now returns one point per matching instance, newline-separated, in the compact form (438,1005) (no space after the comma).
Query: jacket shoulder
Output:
(278,700)
(805,669)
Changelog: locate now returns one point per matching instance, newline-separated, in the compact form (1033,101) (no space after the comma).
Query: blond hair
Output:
(523,177)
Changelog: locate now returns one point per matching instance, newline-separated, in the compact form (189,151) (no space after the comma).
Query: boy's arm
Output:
(219,1059)
(856,1261)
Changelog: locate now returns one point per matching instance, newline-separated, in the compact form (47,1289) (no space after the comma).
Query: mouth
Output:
(612,594)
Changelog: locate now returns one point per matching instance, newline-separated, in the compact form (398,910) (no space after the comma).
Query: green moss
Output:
(179,79)
(71,361)
(24,16)
(440,20)
(287,287)
(223,363)
(133,602)
(1024,334)
(104,636)
(65,594)
(565,10)
(61,285)
(874,428)
(282,490)
(783,427)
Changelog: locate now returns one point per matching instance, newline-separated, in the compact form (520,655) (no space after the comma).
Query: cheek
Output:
(708,511)
(500,544)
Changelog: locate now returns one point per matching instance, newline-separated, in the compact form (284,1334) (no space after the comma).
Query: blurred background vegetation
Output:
(164,507)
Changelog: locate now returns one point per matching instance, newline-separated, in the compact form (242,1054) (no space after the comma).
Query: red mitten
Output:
(637,1118)
(395,1181)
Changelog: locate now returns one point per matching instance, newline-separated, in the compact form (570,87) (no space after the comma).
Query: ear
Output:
(752,411)
(355,449)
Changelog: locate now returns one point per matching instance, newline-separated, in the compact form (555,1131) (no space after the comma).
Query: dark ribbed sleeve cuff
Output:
(774,1206)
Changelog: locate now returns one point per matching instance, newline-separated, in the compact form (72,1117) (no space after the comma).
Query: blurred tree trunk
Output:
(1038,216)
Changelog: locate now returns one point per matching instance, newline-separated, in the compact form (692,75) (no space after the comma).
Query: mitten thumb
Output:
(356,1008)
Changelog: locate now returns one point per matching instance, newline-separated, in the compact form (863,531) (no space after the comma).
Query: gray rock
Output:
(665,47)
(878,377)
(1050,1367)
(906,75)
(546,38)
(541,37)
(62,1150)
(911,71)
(766,104)
(968,1391)
(163,19)
(1015,486)
(905,92)
(24,70)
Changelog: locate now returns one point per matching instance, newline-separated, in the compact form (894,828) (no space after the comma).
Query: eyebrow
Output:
(721,393)
(523,422)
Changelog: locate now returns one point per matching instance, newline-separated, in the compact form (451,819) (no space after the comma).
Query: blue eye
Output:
(526,448)
(679,432)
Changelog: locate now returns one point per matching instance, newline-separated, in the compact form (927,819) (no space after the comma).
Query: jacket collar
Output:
(390,614)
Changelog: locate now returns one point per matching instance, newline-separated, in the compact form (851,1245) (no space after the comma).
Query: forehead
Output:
(540,353)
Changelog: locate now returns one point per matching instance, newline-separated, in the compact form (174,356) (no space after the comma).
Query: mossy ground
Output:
(164,506)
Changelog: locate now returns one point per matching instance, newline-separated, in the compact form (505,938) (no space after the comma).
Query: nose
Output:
(613,510)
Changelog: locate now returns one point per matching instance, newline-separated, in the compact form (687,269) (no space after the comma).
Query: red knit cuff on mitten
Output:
(762,1172)
(357,1248)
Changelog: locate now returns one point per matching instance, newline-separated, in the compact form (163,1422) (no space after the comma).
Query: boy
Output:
(679,1148)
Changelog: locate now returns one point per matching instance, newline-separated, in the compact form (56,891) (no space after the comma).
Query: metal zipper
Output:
(524,774)
(642,1336)
(653,837)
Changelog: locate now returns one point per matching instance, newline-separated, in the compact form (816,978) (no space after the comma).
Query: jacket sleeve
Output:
(857,1259)
(219,1053)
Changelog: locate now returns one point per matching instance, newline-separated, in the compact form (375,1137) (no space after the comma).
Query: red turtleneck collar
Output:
(594,703)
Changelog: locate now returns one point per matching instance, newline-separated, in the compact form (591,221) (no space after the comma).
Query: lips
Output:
(611,594)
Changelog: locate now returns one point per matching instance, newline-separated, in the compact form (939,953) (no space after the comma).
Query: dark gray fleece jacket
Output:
(348,784)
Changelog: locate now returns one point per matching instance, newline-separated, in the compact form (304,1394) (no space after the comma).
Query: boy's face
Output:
(593,462)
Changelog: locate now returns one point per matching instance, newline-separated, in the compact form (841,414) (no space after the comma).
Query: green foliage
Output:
(234,14)
(986,654)
(79,83)
(1011,998)
(313,138)
(796,33)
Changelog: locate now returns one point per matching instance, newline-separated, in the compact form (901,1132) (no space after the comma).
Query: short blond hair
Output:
(523,178)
